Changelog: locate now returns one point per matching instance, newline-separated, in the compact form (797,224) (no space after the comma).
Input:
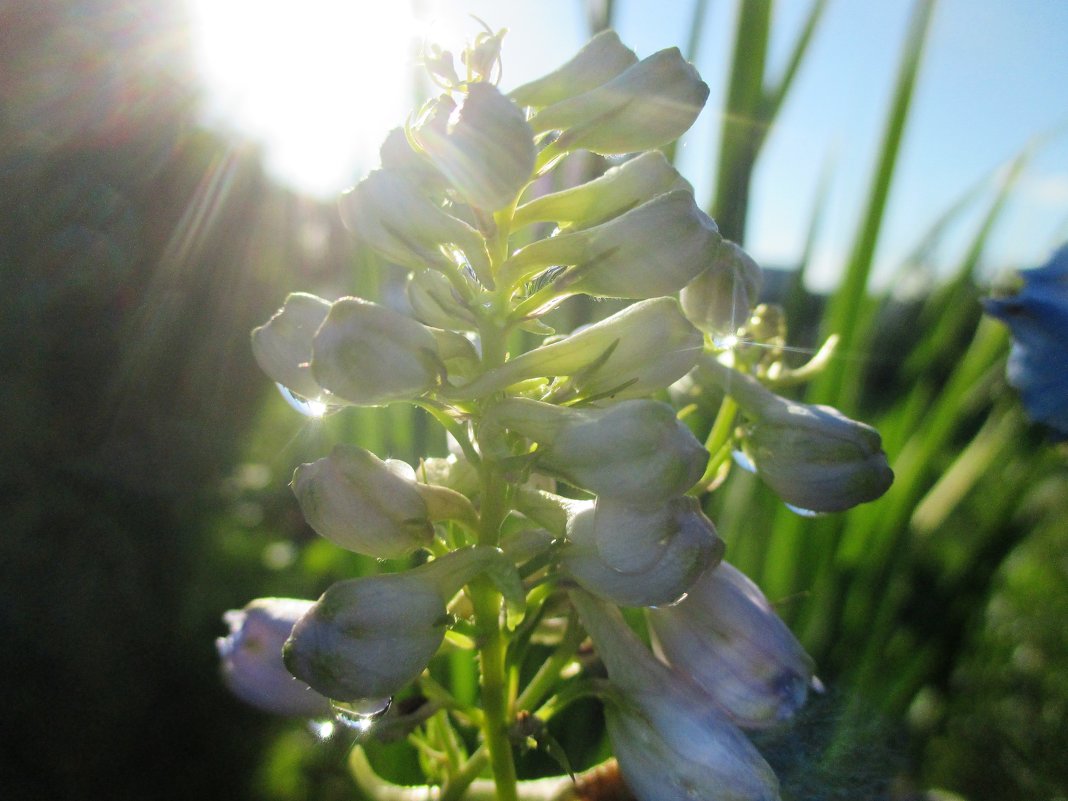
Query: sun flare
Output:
(319,83)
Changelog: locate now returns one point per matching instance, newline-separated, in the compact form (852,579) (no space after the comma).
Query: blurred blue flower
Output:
(1037,316)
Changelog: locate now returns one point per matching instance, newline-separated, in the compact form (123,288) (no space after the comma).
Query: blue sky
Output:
(995,75)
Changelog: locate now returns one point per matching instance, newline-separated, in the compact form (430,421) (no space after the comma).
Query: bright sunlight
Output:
(319,83)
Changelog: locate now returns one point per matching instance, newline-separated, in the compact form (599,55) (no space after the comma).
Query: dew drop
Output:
(323,729)
(743,461)
(797,510)
(360,714)
(724,342)
(308,408)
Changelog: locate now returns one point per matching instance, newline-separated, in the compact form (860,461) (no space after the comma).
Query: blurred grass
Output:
(894,598)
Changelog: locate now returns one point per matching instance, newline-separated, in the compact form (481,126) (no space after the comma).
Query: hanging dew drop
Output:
(725,341)
(323,729)
(308,408)
(359,715)
(743,461)
(797,510)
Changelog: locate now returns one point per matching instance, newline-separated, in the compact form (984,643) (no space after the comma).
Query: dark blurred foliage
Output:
(136,253)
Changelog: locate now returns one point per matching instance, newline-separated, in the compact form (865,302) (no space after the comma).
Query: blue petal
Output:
(1037,316)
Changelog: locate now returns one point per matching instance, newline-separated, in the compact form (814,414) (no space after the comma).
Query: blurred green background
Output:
(144,459)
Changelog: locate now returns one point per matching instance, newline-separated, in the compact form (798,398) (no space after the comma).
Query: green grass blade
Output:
(838,384)
(743,130)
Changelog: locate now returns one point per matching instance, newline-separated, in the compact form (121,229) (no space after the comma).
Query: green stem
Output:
(717,440)
(492,647)
(455,788)
(487,602)
(549,673)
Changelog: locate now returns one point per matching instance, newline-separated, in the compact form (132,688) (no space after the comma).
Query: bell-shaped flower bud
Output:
(620,189)
(639,556)
(652,250)
(435,302)
(726,637)
(485,146)
(631,539)
(671,741)
(370,355)
(399,157)
(355,500)
(646,106)
(600,60)
(813,457)
(645,347)
(636,449)
(283,345)
(251,658)
(369,637)
(719,299)
(1037,316)
(390,214)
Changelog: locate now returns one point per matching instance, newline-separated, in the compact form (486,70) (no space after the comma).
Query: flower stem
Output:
(548,674)
(718,437)
(492,647)
(487,603)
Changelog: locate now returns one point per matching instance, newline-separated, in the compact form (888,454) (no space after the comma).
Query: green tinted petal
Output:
(485,147)
(371,355)
(649,105)
(600,59)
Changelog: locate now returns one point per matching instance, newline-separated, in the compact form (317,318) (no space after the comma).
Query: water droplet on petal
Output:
(724,341)
(670,604)
(360,714)
(323,729)
(308,408)
(743,461)
(797,510)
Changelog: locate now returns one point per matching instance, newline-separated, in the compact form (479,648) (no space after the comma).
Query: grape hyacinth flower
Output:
(572,488)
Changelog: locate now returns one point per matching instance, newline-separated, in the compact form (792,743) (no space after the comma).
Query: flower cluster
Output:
(573,491)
